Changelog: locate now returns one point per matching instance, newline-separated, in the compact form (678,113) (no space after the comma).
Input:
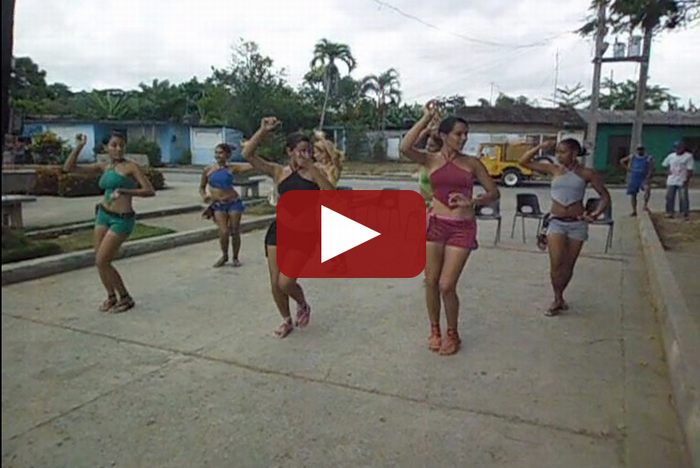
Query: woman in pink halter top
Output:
(451,233)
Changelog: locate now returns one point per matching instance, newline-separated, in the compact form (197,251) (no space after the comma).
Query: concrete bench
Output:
(18,180)
(12,210)
(248,188)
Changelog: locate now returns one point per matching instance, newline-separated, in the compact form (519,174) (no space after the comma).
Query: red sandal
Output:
(285,328)
(451,342)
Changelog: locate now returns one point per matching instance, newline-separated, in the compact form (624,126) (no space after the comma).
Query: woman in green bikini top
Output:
(114,215)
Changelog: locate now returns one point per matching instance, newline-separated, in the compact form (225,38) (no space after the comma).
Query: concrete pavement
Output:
(192,376)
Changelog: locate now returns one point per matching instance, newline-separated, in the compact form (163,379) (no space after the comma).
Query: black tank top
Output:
(296,182)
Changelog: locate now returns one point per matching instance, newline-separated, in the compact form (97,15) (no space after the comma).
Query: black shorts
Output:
(271,236)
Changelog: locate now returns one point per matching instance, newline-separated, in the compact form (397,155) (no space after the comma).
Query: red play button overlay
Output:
(351,234)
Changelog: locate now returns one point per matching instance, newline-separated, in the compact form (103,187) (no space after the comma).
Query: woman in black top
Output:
(299,174)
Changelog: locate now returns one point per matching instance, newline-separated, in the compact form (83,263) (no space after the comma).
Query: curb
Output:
(168,211)
(681,336)
(54,264)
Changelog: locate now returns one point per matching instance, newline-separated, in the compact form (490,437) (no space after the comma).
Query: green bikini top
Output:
(112,180)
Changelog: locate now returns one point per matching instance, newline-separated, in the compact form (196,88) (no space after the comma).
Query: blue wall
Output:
(66,131)
(174,140)
(234,138)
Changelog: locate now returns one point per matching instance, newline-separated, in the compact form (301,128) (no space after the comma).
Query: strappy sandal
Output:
(220,262)
(303,314)
(124,304)
(451,342)
(555,310)
(284,329)
(435,339)
(110,302)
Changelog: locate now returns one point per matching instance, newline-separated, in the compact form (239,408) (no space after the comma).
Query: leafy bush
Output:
(48,148)
(47,180)
(79,184)
(156,177)
(186,158)
(147,147)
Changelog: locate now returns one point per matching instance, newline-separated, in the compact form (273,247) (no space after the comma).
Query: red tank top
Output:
(450,178)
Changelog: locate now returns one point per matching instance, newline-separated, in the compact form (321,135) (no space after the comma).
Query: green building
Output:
(660,131)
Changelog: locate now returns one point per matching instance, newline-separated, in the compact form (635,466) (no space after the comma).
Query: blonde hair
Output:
(334,154)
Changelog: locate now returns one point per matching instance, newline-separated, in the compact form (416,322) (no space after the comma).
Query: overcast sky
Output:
(119,43)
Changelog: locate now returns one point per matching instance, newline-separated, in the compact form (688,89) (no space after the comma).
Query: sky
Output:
(440,48)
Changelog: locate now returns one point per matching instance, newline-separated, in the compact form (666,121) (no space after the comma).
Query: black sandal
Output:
(109,303)
(124,304)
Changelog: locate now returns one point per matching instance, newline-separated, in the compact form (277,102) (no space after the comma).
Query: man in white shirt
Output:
(680,169)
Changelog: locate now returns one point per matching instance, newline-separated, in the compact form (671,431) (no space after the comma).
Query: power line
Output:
(474,40)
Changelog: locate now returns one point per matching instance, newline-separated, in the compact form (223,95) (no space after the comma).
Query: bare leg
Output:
(103,260)
(221,219)
(235,228)
(433,265)
(633,198)
(557,268)
(453,264)
(572,252)
(647,196)
(281,299)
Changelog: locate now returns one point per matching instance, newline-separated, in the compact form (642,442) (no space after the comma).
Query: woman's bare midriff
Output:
(222,195)
(121,205)
(440,209)
(572,211)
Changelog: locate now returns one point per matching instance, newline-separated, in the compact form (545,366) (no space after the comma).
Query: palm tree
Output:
(110,104)
(326,54)
(385,88)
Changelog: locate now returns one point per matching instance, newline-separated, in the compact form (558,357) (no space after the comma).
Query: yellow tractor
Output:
(501,161)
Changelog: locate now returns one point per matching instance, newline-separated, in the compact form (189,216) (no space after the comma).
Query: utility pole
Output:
(641,90)
(556,78)
(595,93)
(491,96)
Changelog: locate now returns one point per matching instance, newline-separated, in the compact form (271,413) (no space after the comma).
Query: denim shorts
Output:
(227,207)
(573,229)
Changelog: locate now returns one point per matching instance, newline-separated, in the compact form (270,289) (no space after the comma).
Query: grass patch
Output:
(676,231)
(16,246)
(261,209)
(84,239)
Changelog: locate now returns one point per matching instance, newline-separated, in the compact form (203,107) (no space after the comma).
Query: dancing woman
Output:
(300,173)
(115,218)
(451,232)
(568,222)
(226,206)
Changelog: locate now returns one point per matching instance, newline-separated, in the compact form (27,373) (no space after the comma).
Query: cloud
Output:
(111,43)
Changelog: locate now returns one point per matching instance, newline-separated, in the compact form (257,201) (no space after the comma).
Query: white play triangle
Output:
(340,234)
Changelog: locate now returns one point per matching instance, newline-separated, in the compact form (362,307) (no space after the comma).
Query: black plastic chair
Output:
(527,206)
(605,219)
(491,212)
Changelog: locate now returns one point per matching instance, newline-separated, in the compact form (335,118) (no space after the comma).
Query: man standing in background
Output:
(640,167)
(680,169)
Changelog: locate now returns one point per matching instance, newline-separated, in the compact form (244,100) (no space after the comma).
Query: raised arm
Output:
(408,142)
(267,125)
(526,159)
(240,168)
(319,176)
(71,164)
(625,162)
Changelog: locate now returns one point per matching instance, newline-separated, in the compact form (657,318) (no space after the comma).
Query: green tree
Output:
(385,88)
(503,100)
(622,96)
(326,56)
(161,101)
(568,97)
(110,104)
(451,104)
